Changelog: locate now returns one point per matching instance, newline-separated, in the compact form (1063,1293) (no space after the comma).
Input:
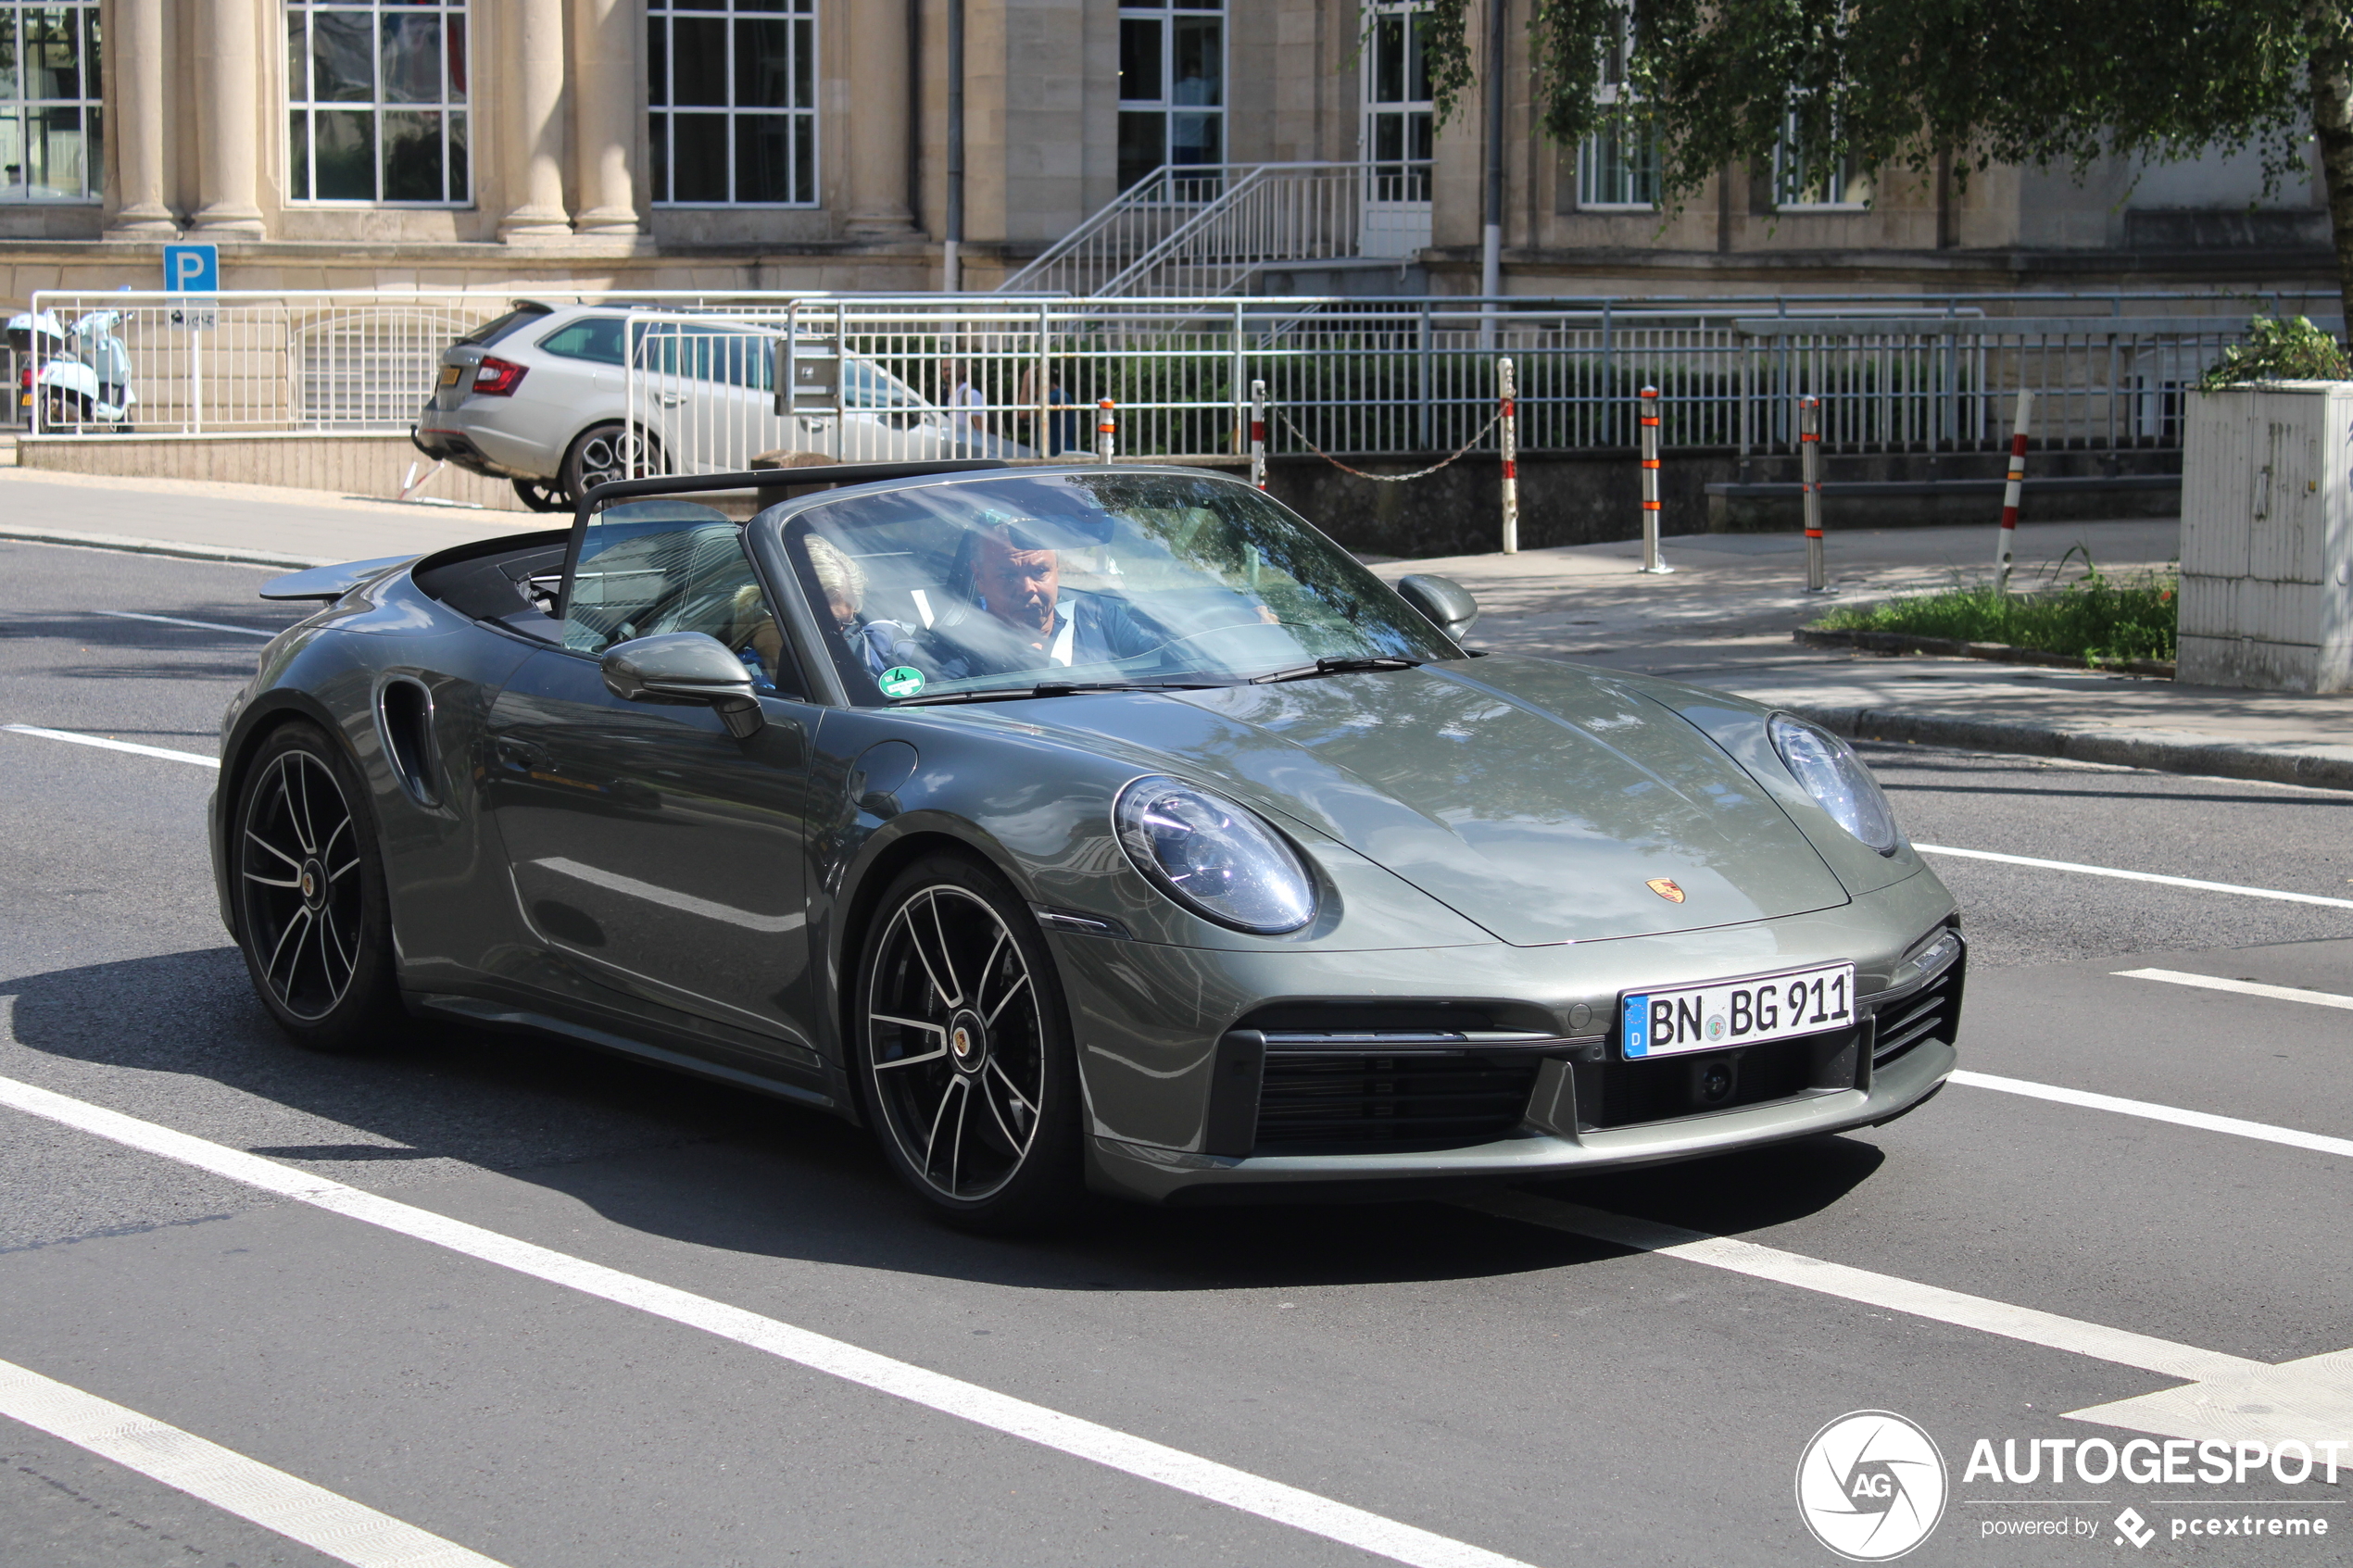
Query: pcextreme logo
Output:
(1870,1486)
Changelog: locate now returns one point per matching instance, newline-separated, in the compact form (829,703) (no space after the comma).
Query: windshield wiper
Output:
(1338,667)
(1052,688)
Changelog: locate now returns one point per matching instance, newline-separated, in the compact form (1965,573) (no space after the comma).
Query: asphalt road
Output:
(1500,1380)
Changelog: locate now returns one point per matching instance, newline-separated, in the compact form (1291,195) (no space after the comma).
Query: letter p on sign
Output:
(192,268)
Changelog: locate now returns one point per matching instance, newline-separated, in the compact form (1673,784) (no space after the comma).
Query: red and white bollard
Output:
(1652,560)
(1507,447)
(1810,444)
(1106,431)
(1258,433)
(2003,554)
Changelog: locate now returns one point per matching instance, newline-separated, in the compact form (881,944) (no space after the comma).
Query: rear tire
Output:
(606,452)
(964,1053)
(543,495)
(312,917)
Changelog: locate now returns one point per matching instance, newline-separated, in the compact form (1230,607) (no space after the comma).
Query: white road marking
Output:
(113,745)
(2242,987)
(2139,876)
(2308,1401)
(2320,1143)
(1987,1316)
(345,1530)
(178,620)
(2227,1396)
(1106,1446)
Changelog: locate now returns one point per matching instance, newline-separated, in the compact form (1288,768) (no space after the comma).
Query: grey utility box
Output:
(2267,537)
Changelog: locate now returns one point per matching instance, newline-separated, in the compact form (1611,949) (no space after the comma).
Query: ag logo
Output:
(1666,887)
(1870,1486)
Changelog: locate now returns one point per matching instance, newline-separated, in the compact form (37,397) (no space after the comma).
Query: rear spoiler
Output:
(328,583)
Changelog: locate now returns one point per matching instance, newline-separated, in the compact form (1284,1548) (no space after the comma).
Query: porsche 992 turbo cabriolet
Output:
(1101,826)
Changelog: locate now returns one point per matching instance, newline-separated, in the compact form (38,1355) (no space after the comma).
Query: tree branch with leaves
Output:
(1897,84)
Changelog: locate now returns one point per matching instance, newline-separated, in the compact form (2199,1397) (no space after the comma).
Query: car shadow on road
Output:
(674,1157)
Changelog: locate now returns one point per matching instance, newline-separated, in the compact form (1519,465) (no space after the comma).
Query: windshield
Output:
(1011,583)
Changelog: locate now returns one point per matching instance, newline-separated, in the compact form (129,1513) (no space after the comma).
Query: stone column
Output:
(229,113)
(534,77)
(878,62)
(605,101)
(135,50)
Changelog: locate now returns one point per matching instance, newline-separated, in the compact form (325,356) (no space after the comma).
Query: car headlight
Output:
(1212,857)
(1834,776)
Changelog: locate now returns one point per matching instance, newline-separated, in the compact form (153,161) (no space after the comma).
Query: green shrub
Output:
(2096,617)
(2278,349)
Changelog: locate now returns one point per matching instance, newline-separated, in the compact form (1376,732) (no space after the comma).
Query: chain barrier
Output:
(1385,478)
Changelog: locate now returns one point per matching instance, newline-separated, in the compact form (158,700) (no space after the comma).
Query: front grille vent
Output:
(1337,1100)
(1932,1013)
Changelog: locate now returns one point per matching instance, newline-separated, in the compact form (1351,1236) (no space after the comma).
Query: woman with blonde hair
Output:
(843,582)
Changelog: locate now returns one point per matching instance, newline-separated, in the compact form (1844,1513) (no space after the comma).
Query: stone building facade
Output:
(804,144)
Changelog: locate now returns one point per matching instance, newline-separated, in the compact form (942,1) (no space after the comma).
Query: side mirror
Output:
(1448,604)
(685,667)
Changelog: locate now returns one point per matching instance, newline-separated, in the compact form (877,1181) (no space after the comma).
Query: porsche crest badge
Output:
(1665,887)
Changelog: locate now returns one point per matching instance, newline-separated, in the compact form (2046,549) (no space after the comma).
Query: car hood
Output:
(1540,800)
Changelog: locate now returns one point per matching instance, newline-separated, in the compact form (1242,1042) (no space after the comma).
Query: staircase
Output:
(1201,230)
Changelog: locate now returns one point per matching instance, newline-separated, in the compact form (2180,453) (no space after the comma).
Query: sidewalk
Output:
(263,524)
(1723,619)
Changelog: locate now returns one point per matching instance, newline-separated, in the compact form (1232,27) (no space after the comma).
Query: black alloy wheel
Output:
(966,1055)
(311,913)
(607,452)
(542,494)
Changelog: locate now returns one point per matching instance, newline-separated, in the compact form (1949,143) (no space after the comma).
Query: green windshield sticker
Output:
(900,680)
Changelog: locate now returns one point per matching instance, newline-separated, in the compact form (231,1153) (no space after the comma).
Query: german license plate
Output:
(1740,1012)
(448,375)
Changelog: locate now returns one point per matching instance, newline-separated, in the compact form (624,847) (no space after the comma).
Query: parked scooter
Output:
(74,378)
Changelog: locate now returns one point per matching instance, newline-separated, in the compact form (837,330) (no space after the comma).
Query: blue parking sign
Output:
(192,268)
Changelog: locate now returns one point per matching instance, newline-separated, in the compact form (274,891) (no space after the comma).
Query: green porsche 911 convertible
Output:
(1090,827)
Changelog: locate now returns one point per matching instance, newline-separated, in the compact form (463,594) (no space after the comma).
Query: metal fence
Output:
(910,376)
(879,379)
(357,361)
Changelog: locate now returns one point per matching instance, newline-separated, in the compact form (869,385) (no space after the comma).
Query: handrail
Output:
(1127,242)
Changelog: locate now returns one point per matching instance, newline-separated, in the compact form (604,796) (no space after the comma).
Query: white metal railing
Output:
(921,377)
(354,361)
(912,376)
(1207,231)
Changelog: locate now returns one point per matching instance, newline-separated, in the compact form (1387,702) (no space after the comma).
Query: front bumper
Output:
(1186,1099)
(1170,1176)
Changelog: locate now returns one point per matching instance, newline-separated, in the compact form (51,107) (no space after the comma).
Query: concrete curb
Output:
(1954,647)
(158,547)
(2326,768)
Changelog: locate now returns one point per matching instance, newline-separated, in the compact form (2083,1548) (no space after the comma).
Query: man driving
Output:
(1017,580)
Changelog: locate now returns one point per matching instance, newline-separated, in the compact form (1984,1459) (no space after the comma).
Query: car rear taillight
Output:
(496,378)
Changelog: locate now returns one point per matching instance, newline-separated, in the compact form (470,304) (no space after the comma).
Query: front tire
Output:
(963,1052)
(312,917)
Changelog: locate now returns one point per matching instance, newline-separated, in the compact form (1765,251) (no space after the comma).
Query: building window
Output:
(50,141)
(1802,183)
(1618,166)
(1172,89)
(377,103)
(1399,113)
(732,95)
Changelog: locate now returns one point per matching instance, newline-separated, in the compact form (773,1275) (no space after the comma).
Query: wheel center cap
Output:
(967,1041)
(314,884)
